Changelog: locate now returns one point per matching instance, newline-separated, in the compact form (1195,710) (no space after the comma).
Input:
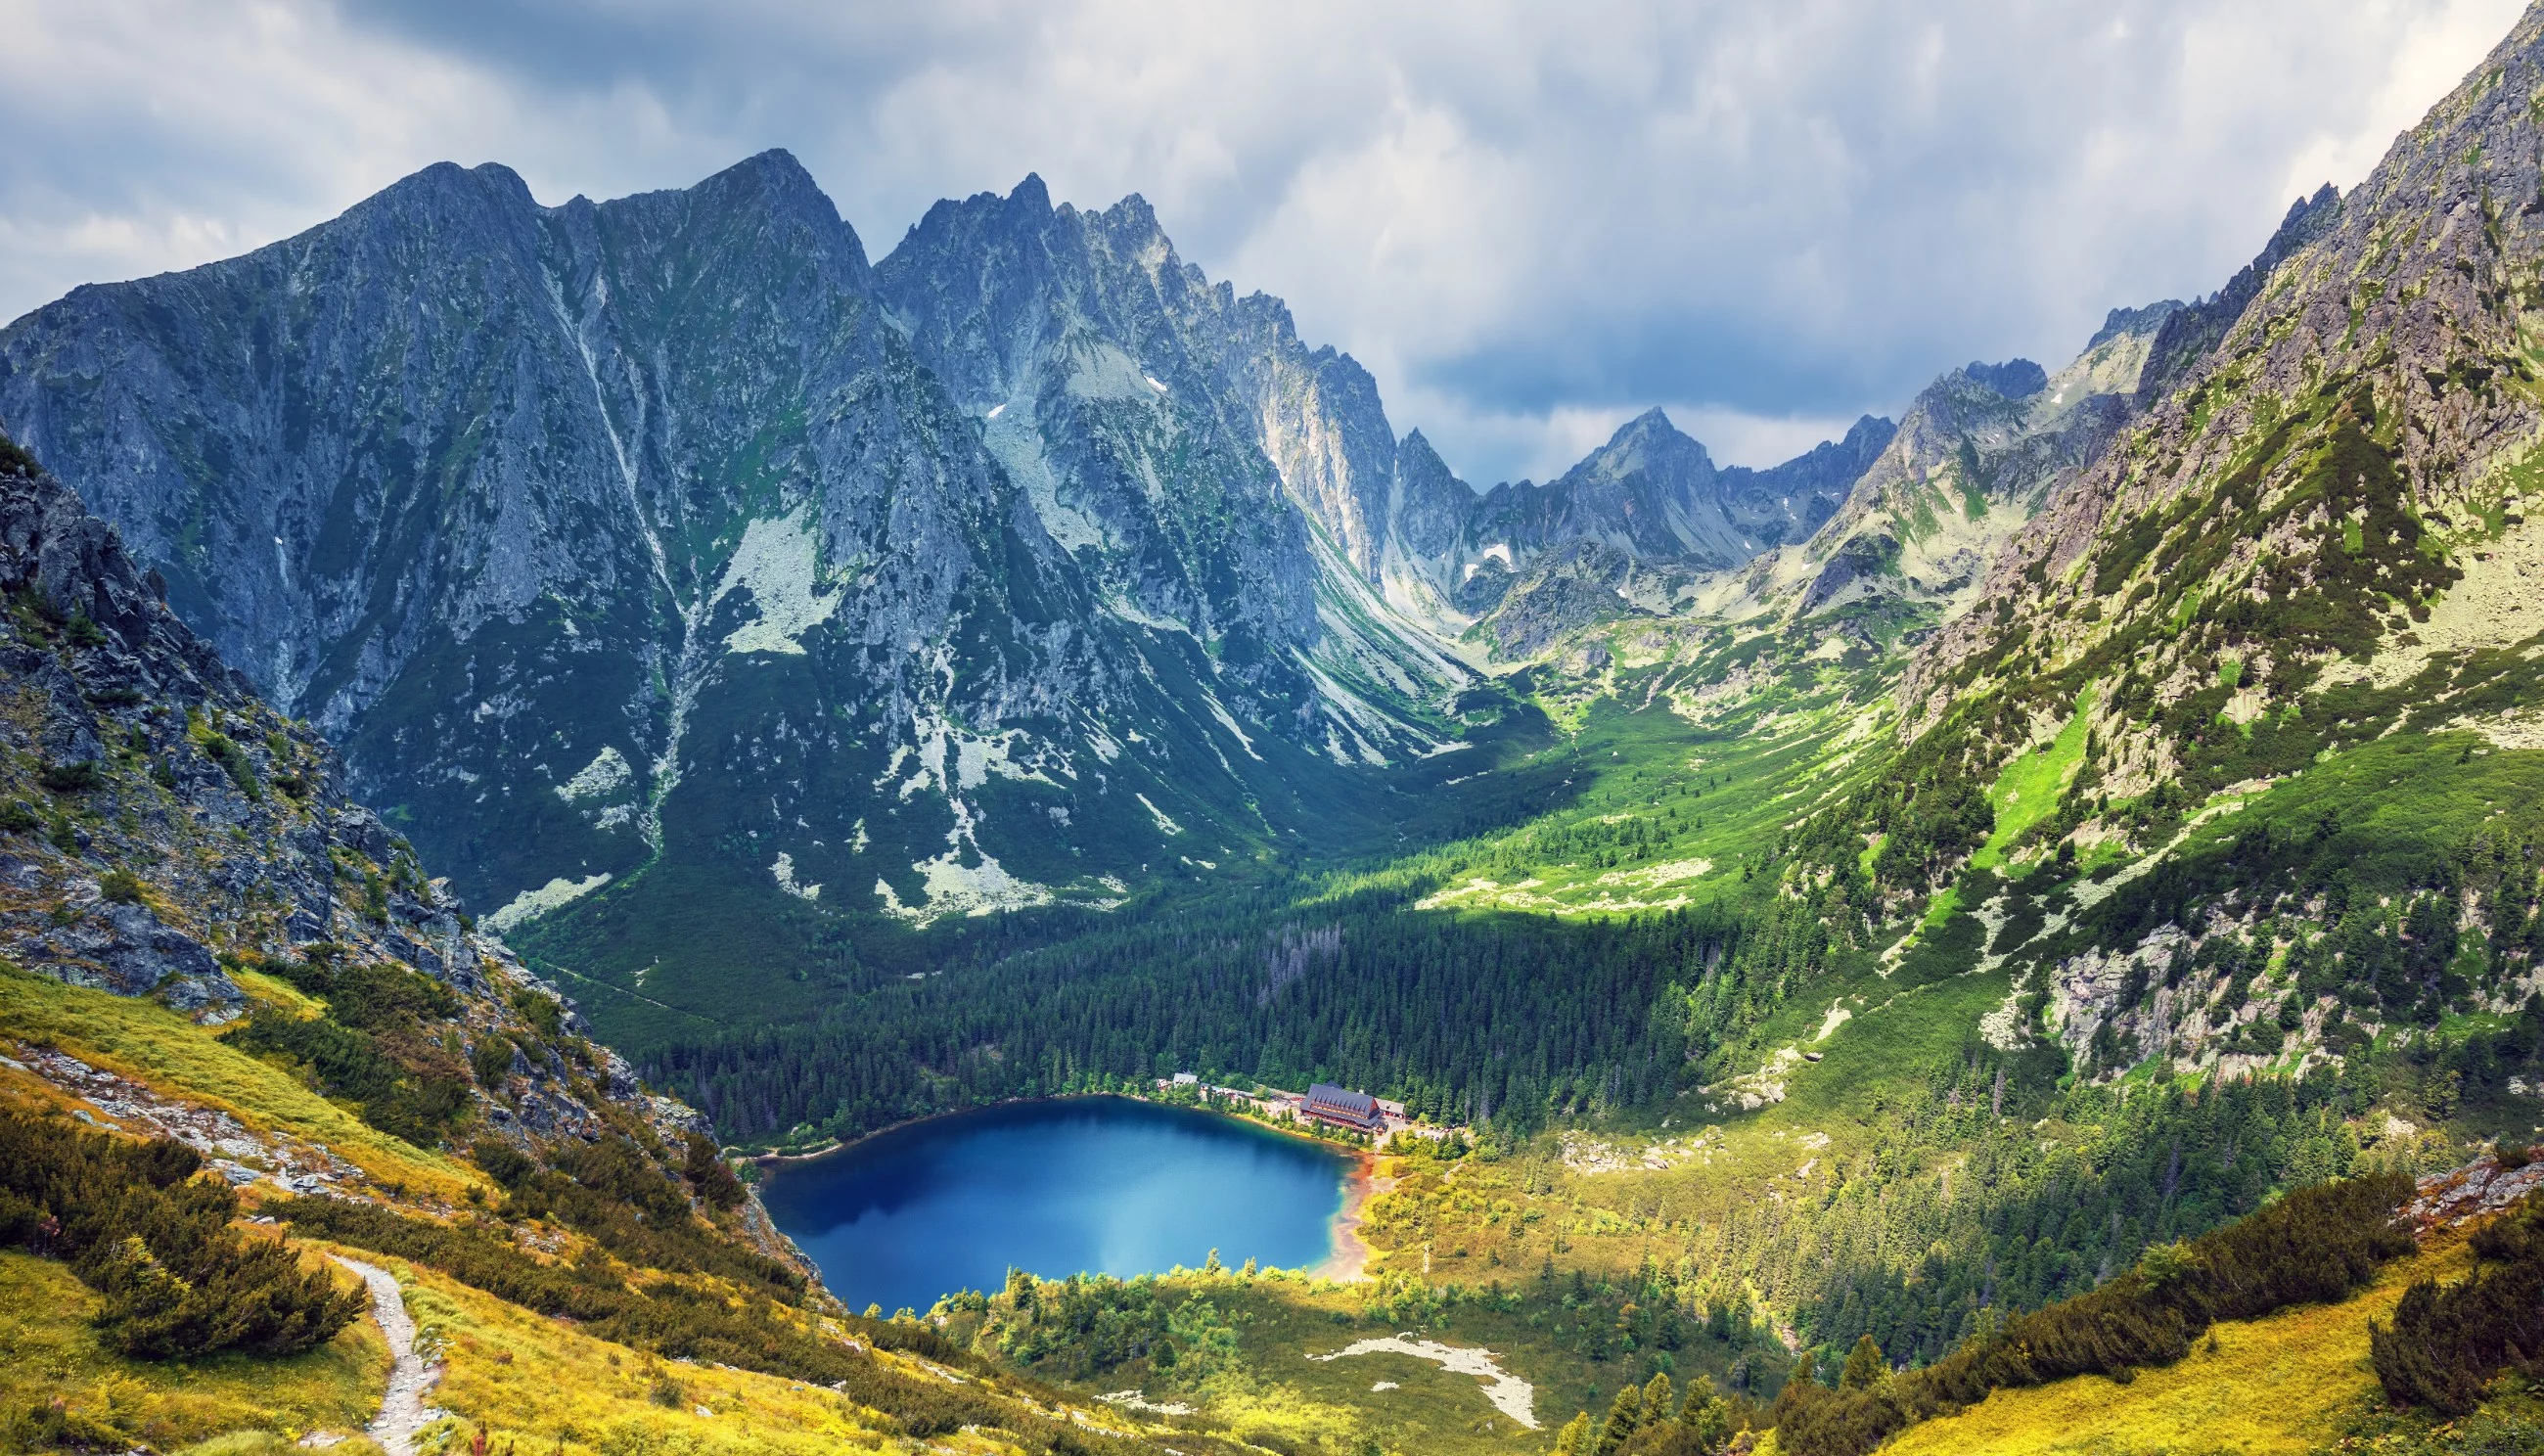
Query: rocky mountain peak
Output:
(2143,320)
(2015,378)
(1648,442)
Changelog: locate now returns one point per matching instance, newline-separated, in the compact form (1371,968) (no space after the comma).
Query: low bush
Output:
(134,1225)
(405,1085)
(2446,1344)
(69,778)
(2315,1246)
(669,1317)
(709,1175)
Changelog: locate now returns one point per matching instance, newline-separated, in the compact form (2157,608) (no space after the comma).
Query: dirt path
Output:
(402,1409)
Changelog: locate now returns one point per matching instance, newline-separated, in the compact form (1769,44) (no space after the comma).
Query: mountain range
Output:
(1925,913)
(1021,568)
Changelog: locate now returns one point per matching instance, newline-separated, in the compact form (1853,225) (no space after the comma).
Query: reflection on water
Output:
(1104,1184)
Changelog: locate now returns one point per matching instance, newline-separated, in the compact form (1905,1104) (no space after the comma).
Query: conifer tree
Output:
(1624,1418)
(1865,1367)
(1574,1438)
(1709,1417)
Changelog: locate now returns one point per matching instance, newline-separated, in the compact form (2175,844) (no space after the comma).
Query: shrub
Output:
(233,762)
(404,1084)
(710,1174)
(119,886)
(2447,1343)
(674,1317)
(69,778)
(491,1060)
(541,1011)
(2314,1246)
(179,1281)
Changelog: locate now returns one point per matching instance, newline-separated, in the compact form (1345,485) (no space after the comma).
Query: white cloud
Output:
(1525,220)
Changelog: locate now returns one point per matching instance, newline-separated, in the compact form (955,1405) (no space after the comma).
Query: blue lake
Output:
(1095,1184)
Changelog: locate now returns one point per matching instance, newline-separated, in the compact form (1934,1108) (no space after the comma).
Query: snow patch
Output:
(602,777)
(1165,825)
(779,563)
(556,894)
(784,869)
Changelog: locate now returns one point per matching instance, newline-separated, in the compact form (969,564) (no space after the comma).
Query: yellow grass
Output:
(151,1044)
(546,1389)
(47,1350)
(274,991)
(2275,1385)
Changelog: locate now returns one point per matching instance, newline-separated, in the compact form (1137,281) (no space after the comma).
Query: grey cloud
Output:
(1511,212)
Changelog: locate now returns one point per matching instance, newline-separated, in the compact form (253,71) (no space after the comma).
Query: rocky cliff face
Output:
(1978,454)
(161,827)
(669,530)
(608,532)
(1636,529)
(2333,491)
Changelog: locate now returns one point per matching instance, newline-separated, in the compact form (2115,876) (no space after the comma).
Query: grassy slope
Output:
(2290,1383)
(2028,788)
(168,1053)
(546,1386)
(47,1350)
(1661,784)
(1275,1393)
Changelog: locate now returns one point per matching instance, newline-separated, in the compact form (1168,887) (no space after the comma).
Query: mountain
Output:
(234,1004)
(608,535)
(1642,521)
(1927,913)
(1021,569)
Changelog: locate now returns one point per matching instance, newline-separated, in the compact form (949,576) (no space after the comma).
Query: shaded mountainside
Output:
(257,1003)
(608,533)
(668,532)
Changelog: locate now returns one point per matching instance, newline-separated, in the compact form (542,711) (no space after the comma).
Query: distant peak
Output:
(1651,424)
(2133,321)
(1871,431)
(2015,378)
(1133,214)
(449,181)
(2324,197)
(1031,193)
(1647,440)
(774,171)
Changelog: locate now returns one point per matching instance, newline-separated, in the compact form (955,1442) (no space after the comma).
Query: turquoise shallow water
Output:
(1100,1185)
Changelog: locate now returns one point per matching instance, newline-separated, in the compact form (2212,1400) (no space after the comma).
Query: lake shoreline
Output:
(837,1145)
(1348,1263)
(1348,1256)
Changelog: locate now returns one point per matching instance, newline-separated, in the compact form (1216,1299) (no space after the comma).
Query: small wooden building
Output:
(1343,1107)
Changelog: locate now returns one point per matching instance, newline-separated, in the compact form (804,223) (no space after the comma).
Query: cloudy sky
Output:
(1530,220)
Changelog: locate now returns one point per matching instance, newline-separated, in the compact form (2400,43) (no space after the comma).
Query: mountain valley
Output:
(2020,928)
